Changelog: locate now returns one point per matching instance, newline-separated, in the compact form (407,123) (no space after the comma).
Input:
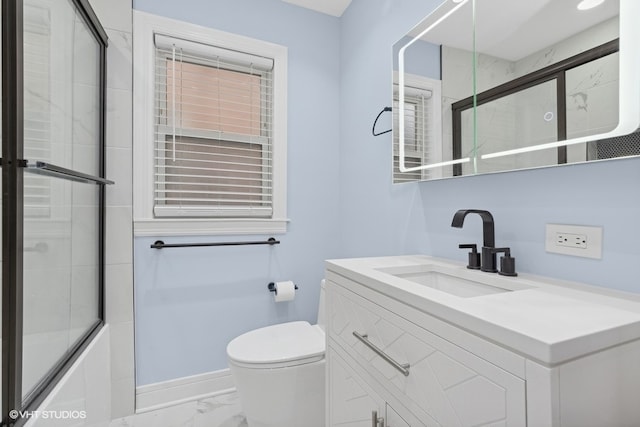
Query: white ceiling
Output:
(330,7)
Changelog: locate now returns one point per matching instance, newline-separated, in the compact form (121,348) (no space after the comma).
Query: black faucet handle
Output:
(474,256)
(507,262)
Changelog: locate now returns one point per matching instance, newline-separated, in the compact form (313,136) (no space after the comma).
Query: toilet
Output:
(279,372)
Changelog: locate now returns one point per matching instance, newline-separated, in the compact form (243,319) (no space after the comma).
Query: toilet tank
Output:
(321,313)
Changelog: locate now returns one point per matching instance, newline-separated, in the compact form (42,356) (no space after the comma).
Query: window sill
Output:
(200,227)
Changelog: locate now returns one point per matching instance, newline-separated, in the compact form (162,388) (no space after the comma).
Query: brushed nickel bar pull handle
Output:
(364,338)
(375,420)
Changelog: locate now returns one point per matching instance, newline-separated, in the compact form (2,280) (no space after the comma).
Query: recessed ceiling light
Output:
(589,4)
(457,1)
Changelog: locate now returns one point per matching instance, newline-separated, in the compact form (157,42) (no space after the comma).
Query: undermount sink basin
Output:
(452,282)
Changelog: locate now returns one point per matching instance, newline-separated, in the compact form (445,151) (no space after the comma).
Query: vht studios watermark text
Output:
(58,415)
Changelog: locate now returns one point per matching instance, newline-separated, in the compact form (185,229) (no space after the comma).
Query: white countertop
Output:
(545,319)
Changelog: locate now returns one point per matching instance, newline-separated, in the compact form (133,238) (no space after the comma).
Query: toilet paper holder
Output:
(272,287)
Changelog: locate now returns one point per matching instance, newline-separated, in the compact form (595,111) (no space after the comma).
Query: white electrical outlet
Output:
(571,240)
(576,240)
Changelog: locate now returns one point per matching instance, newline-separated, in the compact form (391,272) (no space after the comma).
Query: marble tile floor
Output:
(218,411)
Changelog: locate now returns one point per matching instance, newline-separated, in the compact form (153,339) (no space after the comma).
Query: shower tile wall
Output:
(115,16)
(592,102)
(84,388)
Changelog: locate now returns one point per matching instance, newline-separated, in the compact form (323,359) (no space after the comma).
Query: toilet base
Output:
(282,397)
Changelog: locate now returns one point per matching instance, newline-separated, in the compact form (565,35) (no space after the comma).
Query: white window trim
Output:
(145,25)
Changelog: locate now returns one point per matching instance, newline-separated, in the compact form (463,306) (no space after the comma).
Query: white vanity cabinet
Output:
(455,377)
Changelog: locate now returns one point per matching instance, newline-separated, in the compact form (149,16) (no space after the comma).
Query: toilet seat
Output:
(278,346)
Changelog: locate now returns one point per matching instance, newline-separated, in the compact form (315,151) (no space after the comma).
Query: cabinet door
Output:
(350,400)
(393,419)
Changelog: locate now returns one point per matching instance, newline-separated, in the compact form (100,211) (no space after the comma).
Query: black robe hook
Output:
(373,130)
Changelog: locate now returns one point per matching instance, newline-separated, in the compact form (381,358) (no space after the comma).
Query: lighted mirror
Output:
(554,83)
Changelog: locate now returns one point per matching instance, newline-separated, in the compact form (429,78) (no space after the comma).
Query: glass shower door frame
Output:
(12,198)
(13,167)
(555,72)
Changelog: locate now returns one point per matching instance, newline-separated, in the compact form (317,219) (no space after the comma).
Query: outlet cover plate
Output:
(576,240)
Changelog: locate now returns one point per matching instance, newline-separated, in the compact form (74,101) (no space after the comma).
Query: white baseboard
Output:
(173,392)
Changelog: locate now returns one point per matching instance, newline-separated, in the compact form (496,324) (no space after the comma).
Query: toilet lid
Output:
(286,344)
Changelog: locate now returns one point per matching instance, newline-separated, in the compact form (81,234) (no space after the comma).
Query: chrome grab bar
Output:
(364,338)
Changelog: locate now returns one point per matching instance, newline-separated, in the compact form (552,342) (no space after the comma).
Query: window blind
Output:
(418,131)
(213,135)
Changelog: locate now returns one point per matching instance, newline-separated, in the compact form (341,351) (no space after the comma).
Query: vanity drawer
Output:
(444,382)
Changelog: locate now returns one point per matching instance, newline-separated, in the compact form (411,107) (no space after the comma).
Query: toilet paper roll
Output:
(284,291)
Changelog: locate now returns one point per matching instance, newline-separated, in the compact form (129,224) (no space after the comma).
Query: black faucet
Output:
(488,260)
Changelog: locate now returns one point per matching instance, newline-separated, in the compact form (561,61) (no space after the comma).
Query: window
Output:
(422,117)
(212,137)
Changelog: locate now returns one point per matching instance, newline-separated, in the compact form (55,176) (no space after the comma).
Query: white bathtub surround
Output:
(218,411)
(85,388)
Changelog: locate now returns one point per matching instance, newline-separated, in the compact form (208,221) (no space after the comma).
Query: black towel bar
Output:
(159,244)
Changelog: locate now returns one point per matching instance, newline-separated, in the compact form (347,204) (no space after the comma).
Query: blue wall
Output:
(191,302)
(377,218)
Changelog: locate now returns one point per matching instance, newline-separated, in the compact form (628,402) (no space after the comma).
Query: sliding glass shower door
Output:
(61,217)
(55,207)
